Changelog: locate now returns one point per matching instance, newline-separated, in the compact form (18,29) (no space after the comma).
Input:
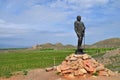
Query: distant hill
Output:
(56,46)
(108,43)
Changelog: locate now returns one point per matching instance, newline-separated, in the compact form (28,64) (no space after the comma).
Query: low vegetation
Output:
(23,60)
(115,63)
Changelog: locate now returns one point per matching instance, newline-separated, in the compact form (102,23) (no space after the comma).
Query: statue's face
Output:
(78,18)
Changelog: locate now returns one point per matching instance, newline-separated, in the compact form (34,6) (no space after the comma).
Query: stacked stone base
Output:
(81,65)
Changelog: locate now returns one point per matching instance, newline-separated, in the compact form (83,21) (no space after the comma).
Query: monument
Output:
(80,31)
(82,64)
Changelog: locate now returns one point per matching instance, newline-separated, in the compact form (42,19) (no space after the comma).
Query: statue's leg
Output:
(79,48)
(79,43)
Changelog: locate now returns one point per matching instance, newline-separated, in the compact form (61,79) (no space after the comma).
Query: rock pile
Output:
(81,65)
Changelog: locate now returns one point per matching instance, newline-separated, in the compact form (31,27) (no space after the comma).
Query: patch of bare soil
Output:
(41,74)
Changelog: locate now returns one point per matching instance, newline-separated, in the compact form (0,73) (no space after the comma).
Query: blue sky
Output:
(24,23)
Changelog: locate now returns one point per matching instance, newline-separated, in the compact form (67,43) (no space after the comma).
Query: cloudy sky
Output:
(24,23)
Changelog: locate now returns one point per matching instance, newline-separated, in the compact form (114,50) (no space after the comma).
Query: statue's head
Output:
(78,18)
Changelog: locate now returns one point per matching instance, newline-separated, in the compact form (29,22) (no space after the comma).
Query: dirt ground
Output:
(41,74)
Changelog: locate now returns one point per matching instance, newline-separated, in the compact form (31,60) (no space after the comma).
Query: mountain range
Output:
(107,43)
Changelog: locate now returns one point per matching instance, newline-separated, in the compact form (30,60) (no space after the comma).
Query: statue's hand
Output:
(83,31)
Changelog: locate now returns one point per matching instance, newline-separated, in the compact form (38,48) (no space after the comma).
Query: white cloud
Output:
(42,17)
(8,29)
(78,4)
(45,14)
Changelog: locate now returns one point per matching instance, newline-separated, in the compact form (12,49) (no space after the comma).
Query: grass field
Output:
(21,60)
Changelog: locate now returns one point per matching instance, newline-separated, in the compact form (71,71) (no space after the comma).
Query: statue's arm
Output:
(75,28)
(83,31)
(83,27)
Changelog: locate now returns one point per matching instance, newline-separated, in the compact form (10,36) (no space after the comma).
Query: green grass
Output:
(18,61)
(22,60)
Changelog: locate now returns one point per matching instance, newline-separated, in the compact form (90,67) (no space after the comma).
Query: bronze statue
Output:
(80,31)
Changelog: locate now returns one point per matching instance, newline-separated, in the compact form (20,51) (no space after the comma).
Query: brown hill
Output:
(43,46)
(57,46)
(108,43)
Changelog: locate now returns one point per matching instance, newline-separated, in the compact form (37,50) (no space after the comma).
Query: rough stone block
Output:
(64,67)
(74,67)
(78,72)
(73,59)
(100,67)
(78,56)
(111,73)
(67,71)
(67,58)
(58,68)
(103,73)
(64,63)
(83,71)
(86,56)
(49,69)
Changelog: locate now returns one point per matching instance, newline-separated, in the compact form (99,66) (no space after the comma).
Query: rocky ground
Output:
(41,74)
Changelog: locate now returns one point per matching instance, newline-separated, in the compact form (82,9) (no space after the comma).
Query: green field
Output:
(21,60)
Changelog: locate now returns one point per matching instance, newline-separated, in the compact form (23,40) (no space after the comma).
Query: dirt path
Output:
(40,74)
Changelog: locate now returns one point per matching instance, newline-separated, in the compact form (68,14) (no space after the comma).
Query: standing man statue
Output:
(80,30)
